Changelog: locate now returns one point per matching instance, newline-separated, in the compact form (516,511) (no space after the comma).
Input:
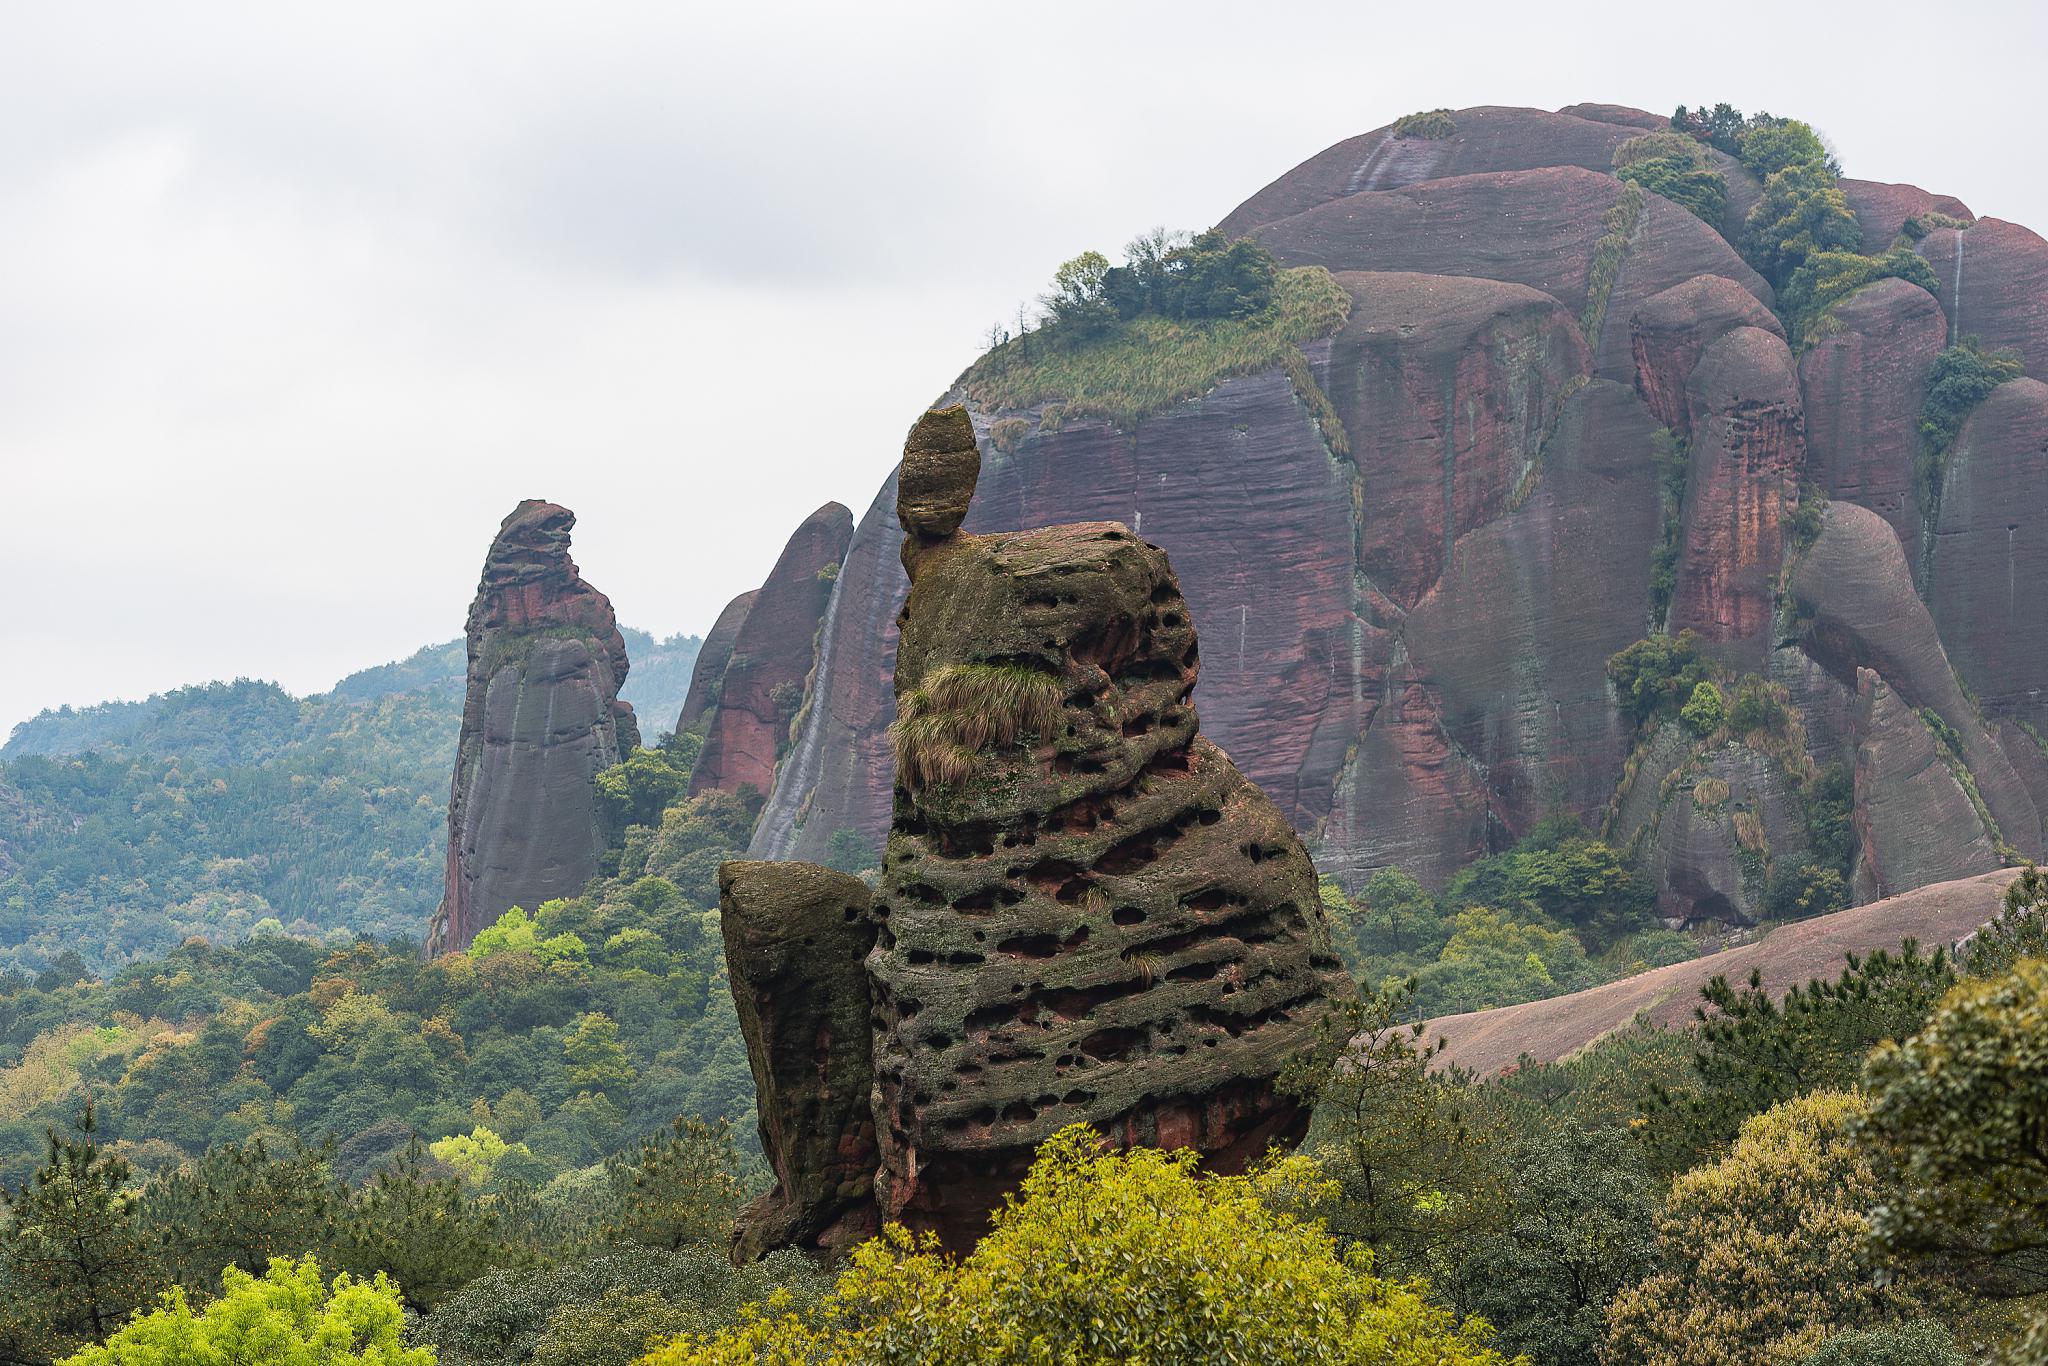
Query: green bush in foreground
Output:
(289,1317)
(1116,1257)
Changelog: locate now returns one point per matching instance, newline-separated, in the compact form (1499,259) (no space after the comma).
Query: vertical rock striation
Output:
(541,718)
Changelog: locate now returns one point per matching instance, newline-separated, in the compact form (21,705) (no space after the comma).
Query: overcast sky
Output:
(297,301)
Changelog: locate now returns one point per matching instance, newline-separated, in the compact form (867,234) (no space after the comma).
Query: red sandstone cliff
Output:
(541,718)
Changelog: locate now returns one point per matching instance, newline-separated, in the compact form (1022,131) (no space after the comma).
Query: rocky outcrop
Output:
(1414,544)
(1990,553)
(712,658)
(1670,330)
(1864,384)
(1914,819)
(761,685)
(542,717)
(797,938)
(1882,210)
(1088,913)
(1857,610)
(1489,1042)
(1746,454)
(1994,278)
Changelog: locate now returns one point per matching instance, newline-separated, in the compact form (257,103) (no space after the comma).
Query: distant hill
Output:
(127,827)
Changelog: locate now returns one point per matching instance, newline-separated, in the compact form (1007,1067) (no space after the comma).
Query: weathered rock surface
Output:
(1864,384)
(797,938)
(1882,209)
(1746,454)
(1994,286)
(542,717)
(712,657)
(761,686)
(1990,553)
(1670,330)
(1489,1042)
(1858,611)
(1407,621)
(1087,912)
(1915,822)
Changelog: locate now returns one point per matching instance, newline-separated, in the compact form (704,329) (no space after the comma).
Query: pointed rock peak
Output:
(941,465)
(533,539)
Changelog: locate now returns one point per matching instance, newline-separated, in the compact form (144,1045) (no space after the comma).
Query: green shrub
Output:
(1802,211)
(1704,710)
(1653,675)
(1963,377)
(1149,362)
(1428,123)
(1700,190)
(1825,278)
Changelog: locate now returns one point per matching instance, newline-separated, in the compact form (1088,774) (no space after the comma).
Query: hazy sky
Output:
(297,301)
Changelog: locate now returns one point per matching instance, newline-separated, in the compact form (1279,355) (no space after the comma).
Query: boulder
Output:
(1863,385)
(1669,330)
(1882,210)
(797,938)
(761,687)
(540,719)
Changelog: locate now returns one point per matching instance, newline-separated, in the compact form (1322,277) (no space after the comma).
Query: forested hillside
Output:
(213,809)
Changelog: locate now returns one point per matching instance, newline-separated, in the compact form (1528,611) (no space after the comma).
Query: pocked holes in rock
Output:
(988,899)
(1042,945)
(1109,1045)
(1128,915)
(1193,972)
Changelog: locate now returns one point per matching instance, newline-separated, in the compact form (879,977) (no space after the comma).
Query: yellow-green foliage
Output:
(287,1318)
(1761,1254)
(1662,145)
(1608,254)
(963,709)
(1115,1258)
(1427,123)
(1144,364)
(1318,403)
(53,1064)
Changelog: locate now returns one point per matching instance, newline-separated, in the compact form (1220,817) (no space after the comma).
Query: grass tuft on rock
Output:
(1141,365)
(962,709)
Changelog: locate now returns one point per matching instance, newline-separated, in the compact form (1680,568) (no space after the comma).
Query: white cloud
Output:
(299,301)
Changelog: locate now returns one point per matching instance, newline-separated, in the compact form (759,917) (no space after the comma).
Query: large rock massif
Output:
(542,717)
(1086,913)
(1414,545)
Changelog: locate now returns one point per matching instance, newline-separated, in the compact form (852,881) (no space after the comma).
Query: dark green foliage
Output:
(416,1224)
(1658,675)
(1753,1052)
(1802,212)
(1581,1210)
(507,1317)
(1762,142)
(2020,931)
(1565,875)
(1825,278)
(1808,890)
(1702,190)
(681,1189)
(240,1206)
(1206,276)
(74,1262)
(638,790)
(1803,525)
(1428,123)
(1674,469)
(1963,377)
(849,851)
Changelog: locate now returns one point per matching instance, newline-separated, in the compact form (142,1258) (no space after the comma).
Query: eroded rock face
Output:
(1914,821)
(1672,328)
(1994,277)
(1088,913)
(541,719)
(797,938)
(1747,451)
(1406,614)
(761,684)
(1882,209)
(1864,385)
(1989,556)
(712,658)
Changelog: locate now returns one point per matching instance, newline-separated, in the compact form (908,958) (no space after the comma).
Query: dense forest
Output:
(241,1107)
(213,810)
